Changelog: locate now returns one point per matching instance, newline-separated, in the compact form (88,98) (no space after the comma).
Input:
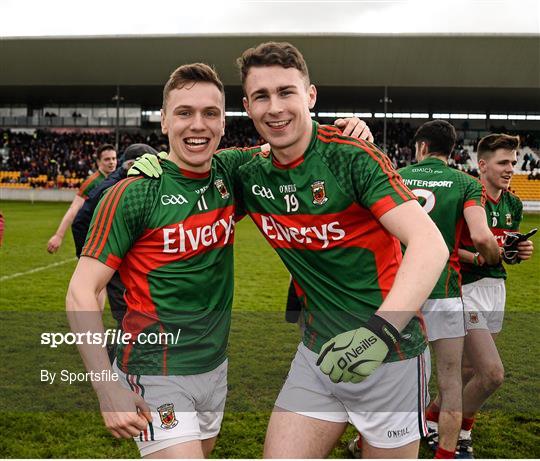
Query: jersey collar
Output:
(434,160)
(299,160)
(176,170)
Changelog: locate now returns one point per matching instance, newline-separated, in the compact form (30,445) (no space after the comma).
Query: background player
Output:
(452,199)
(106,163)
(115,288)
(483,285)
(331,207)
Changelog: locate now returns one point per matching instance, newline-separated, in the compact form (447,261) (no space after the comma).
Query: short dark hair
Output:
(103,148)
(191,73)
(490,143)
(272,54)
(439,135)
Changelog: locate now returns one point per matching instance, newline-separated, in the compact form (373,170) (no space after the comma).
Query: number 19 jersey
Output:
(320,214)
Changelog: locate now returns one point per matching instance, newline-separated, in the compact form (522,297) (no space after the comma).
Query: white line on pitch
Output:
(37,269)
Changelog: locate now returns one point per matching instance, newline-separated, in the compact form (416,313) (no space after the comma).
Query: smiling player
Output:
(334,209)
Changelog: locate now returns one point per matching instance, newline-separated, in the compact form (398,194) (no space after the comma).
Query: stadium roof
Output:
(495,73)
(454,55)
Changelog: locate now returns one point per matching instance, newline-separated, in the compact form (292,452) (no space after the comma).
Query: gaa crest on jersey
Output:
(473,317)
(508,217)
(167,416)
(319,193)
(222,189)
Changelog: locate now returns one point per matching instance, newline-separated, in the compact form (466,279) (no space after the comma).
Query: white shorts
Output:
(387,408)
(484,302)
(184,408)
(444,318)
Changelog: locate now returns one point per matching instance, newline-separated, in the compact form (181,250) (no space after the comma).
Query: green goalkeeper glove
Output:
(354,355)
(148,165)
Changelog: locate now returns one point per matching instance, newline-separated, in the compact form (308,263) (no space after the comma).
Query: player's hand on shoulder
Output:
(148,165)
(125,413)
(54,243)
(355,128)
(354,355)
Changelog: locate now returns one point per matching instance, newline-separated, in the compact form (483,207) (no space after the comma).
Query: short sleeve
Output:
(377,185)
(87,186)
(118,221)
(475,194)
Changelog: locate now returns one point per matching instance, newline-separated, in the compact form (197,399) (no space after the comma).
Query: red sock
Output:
(441,453)
(432,413)
(359,442)
(467,424)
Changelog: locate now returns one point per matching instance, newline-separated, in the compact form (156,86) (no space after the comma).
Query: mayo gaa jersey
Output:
(320,213)
(503,215)
(90,183)
(445,192)
(171,241)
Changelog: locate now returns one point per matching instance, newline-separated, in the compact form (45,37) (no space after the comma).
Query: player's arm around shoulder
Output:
(425,257)
(234,157)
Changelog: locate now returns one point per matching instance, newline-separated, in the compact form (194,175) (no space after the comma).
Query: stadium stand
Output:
(60,159)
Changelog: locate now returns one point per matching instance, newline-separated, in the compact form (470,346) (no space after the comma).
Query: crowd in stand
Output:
(53,159)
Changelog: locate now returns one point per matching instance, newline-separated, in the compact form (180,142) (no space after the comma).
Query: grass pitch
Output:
(41,420)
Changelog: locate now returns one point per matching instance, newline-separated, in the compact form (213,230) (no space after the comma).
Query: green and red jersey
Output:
(321,214)
(504,214)
(444,193)
(91,183)
(171,241)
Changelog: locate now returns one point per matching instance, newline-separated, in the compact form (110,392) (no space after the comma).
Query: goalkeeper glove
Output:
(356,354)
(510,247)
(148,165)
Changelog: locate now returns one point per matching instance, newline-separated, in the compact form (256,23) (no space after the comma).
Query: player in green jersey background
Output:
(452,199)
(483,285)
(335,209)
(106,163)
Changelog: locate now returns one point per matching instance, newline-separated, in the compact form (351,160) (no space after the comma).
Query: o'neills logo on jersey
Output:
(322,234)
(180,239)
(222,189)
(319,193)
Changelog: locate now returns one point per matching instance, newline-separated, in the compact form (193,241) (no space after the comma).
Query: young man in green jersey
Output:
(170,238)
(106,163)
(335,210)
(483,284)
(167,238)
(452,199)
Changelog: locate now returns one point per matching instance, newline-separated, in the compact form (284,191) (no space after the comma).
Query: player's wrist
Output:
(476,260)
(384,330)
